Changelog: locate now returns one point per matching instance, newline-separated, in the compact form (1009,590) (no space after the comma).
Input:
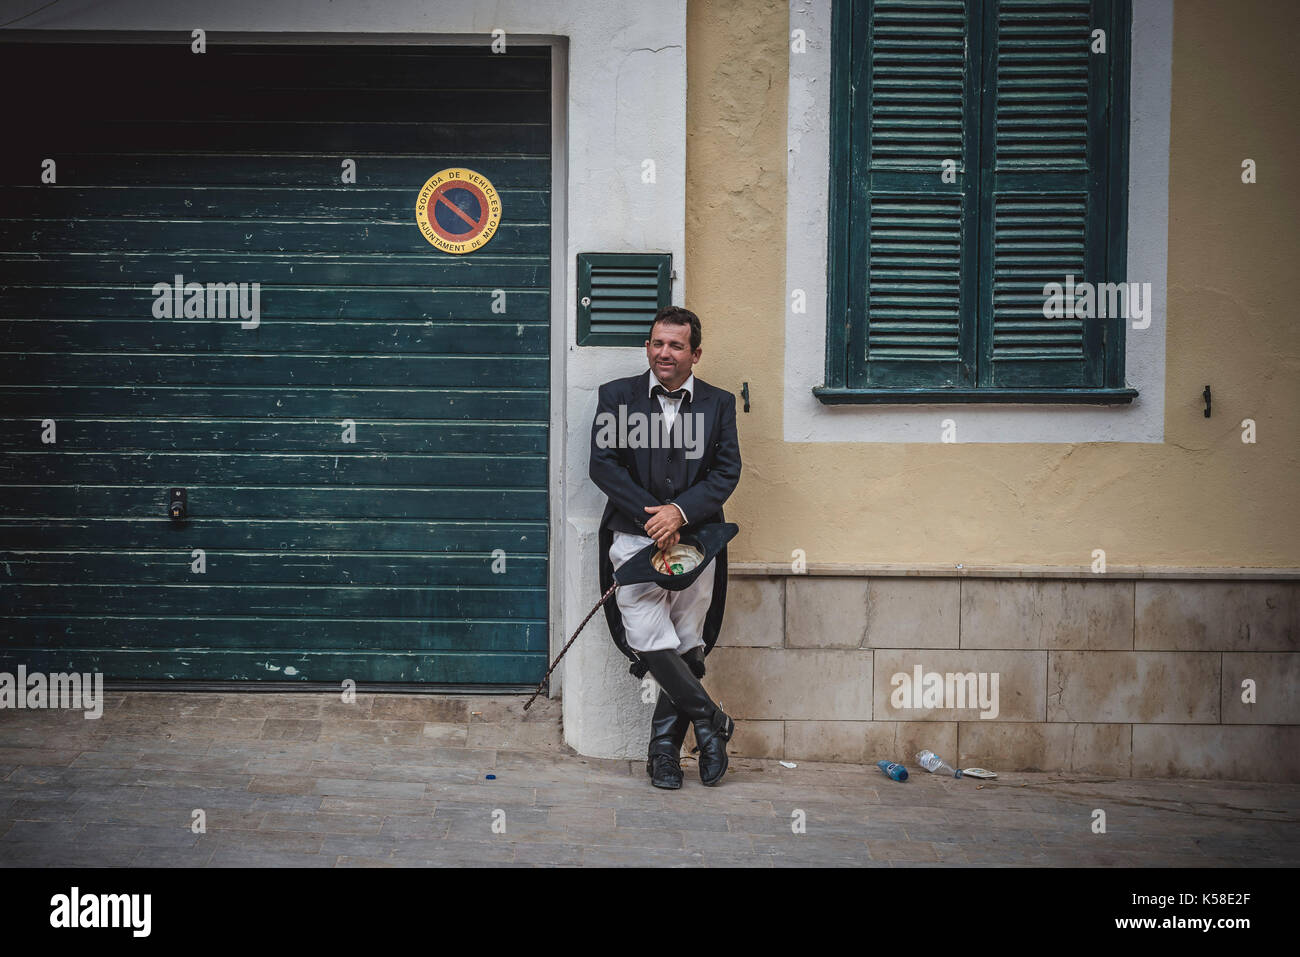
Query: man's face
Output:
(668,350)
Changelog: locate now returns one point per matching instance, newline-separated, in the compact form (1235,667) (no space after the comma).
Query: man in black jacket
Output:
(664,450)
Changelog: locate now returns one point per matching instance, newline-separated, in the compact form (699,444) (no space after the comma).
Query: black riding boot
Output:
(713,728)
(667,732)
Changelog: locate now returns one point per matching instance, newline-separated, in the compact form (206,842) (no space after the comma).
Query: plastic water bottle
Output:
(892,770)
(935,764)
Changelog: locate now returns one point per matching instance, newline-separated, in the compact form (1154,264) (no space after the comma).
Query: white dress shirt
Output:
(670,407)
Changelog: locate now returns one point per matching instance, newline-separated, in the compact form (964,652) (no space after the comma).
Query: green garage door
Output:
(364,459)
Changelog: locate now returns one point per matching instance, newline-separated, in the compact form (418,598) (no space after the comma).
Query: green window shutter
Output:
(939,287)
(1046,155)
(619,294)
(912,239)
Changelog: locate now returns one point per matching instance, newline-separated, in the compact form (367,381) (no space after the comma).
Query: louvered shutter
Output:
(619,294)
(1045,189)
(913,238)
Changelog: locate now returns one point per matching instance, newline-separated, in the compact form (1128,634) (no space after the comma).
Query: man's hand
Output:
(663,525)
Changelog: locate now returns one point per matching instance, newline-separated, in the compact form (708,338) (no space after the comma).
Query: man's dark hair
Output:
(677,316)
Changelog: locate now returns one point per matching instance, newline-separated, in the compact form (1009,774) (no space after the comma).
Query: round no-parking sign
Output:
(458,210)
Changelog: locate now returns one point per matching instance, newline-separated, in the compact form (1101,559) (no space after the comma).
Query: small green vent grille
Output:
(619,294)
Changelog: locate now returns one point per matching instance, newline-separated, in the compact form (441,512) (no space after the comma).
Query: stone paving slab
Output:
(306,780)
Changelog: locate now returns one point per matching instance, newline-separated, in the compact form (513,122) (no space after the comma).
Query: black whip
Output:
(603,598)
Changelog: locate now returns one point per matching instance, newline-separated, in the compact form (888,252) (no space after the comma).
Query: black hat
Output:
(696,548)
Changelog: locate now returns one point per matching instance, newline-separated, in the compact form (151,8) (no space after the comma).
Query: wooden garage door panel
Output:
(93,166)
(292,536)
(525,205)
(412,664)
(360,568)
(376,560)
(486,403)
(311,335)
(208,636)
(108,300)
(189,469)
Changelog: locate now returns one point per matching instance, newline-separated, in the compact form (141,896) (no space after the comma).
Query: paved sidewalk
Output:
(400,780)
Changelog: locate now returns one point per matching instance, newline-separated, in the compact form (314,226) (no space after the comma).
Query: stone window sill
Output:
(832,395)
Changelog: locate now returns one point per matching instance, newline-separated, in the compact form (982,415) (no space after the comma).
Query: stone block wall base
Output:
(1237,752)
(1139,676)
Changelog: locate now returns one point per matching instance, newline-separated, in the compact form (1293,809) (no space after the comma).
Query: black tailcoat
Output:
(630,477)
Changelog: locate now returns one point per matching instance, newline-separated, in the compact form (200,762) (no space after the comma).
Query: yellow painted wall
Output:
(1203,498)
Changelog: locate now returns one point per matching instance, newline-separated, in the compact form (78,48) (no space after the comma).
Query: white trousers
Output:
(655,618)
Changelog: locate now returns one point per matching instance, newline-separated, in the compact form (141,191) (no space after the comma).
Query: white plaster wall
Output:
(623,101)
(808,146)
